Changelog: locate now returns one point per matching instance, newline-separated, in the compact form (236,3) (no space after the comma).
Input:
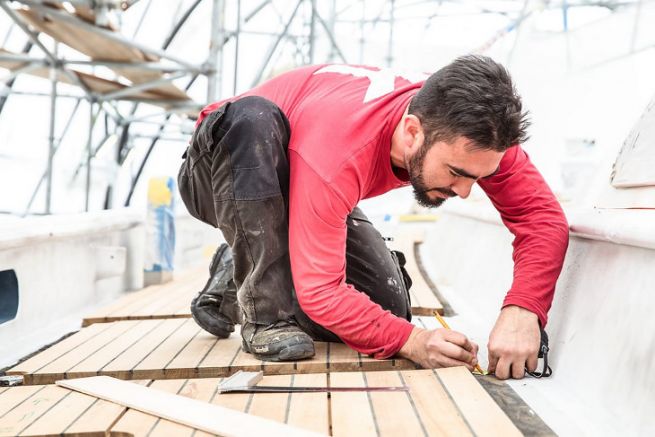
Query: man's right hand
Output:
(440,348)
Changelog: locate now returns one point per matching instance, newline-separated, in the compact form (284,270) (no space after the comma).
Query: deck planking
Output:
(173,349)
(444,402)
(173,299)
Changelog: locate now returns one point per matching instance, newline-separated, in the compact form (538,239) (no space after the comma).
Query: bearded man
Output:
(281,168)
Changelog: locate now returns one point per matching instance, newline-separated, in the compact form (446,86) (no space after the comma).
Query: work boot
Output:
(281,341)
(215,308)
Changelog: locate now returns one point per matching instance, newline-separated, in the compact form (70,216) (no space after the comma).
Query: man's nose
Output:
(462,187)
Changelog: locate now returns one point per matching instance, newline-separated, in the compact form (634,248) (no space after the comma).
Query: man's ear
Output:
(413,132)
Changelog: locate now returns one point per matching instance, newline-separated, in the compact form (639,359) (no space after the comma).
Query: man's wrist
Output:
(407,350)
(520,311)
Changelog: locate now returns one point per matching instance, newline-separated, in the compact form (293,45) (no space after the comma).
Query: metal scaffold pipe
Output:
(215,59)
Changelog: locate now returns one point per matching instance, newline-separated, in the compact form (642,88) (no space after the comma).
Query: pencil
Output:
(445,325)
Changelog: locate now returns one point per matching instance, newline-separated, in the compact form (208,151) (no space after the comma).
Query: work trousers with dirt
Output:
(235,177)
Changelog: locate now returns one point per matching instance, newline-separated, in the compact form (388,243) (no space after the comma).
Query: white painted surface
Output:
(601,327)
(65,266)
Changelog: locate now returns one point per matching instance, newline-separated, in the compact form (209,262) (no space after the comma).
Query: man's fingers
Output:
(455,352)
(518,369)
(476,348)
(459,339)
(445,361)
(493,362)
(502,369)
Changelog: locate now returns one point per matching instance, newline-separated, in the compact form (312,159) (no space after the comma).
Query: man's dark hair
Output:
(472,97)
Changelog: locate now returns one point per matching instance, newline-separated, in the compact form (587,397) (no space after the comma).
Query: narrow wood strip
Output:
(343,359)
(152,301)
(57,350)
(122,366)
(57,368)
(14,396)
(92,365)
(351,413)
(318,364)
(191,355)
(388,407)
(162,299)
(439,415)
(99,417)
(29,411)
(272,406)
(163,427)
(220,357)
(61,415)
(201,415)
(131,306)
(309,410)
(483,415)
(157,361)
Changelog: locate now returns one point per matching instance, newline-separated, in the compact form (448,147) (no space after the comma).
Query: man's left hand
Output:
(514,343)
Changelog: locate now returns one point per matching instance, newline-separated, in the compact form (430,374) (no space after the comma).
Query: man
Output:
(281,168)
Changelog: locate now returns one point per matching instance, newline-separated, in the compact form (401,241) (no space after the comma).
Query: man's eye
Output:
(454,174)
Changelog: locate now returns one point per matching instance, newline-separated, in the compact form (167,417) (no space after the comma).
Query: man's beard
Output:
(420,189)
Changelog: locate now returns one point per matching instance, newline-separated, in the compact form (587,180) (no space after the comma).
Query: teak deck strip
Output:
(424,300)
(172,300)
(445,402)
(171,349)
(165,301)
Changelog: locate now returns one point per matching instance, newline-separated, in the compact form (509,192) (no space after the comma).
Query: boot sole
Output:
(293,352)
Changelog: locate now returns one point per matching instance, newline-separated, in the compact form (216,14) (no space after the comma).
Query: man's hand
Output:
(440,348)
(514,343)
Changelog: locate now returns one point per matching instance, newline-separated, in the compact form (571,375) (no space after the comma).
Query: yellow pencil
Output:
(445,325)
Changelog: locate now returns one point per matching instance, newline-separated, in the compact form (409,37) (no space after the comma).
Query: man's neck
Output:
(397,149)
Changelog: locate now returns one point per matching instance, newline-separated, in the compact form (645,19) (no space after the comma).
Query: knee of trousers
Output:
(373,269)
(255,134)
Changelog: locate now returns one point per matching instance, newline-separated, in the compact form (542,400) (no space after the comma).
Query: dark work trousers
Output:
(235,177)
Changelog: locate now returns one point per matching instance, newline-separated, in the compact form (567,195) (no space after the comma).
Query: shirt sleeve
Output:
(317,249)
(530,211)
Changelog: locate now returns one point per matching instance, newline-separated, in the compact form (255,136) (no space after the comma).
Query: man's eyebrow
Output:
(464,173)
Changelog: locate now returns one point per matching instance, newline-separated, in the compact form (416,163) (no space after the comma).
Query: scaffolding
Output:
(142,74)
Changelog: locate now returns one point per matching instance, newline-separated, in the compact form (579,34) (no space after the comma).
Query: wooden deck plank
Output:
(217,362)
(351,411)
(172,300)
(123,365)
(97,361)
(29,411)
(433,404)
(61,415)
(55,351)
(343,359)
(14,396)
(166,352)
(178,348)
(445,402)
(271,405)
(482,414)
(305,410)
(156,301)
(388,406)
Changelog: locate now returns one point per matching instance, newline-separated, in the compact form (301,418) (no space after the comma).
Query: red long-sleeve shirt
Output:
(342,119)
